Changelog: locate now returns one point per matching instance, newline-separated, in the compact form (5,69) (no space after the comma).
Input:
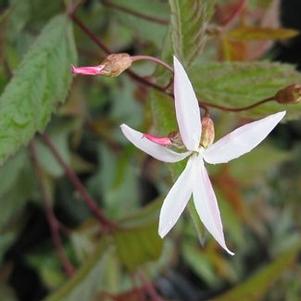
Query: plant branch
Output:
(241,109)
(149,288)
(89,33)
(203,104)
(101,45)
(134,13)
(107,225)
(54,224)
(156,60)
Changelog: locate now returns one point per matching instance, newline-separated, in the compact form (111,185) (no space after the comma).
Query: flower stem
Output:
(241,109)
(106,224)
(101,45)
(89,33)
(134,13)
(203,104)
(54,224)
(149,288)
(136,58)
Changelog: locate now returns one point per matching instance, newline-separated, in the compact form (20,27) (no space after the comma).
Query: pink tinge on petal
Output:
(96,70)
(165,141)
(153,149)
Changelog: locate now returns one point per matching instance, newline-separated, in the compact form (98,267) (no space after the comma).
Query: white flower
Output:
(194,180)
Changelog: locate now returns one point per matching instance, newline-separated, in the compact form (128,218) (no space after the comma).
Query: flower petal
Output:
(87,70)
(187,108)
(241,140)
(205,202)
(176,201)
(153,149)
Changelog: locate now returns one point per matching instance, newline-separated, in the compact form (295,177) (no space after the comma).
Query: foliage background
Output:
(258,194)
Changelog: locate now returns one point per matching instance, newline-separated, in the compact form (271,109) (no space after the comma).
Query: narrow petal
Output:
(176,201)
(241,140)
(205,202)
(153,149)
(87,70)
(187,108)
(165,141)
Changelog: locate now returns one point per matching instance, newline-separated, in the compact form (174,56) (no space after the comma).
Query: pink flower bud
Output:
(113,65)
(96,70)
(165,141)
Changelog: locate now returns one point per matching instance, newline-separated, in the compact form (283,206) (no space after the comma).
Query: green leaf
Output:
(189,19)
(256,164)
(17,187)
(146,30)
(200,264)
(48,267)
(248,33)
(89,278)
(138,242)
(242,84)
(41,81)
(257,285)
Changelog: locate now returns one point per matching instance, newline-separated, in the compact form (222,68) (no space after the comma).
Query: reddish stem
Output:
(89,33)
(223,108)
(150,288)
(54,224)
(106,224)
(156,60)
(204,105)
(101,45)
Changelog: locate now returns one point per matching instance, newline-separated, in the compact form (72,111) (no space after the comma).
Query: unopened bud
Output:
(290,94)
(208,133)
(114,64)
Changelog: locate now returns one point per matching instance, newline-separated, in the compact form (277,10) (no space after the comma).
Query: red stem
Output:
(138,78)
(101,45)
(106,224)
(223,108)
(156,60)
(53,223)
(150,288)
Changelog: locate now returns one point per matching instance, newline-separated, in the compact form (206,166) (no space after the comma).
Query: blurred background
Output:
(51,245)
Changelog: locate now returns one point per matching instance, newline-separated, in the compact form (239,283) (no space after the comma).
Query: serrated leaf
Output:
(41,81)
(241,84)
(257,285)
(249,33)
(189,19)
(88,280)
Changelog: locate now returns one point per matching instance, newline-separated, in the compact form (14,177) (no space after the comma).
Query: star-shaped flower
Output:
(194,180)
